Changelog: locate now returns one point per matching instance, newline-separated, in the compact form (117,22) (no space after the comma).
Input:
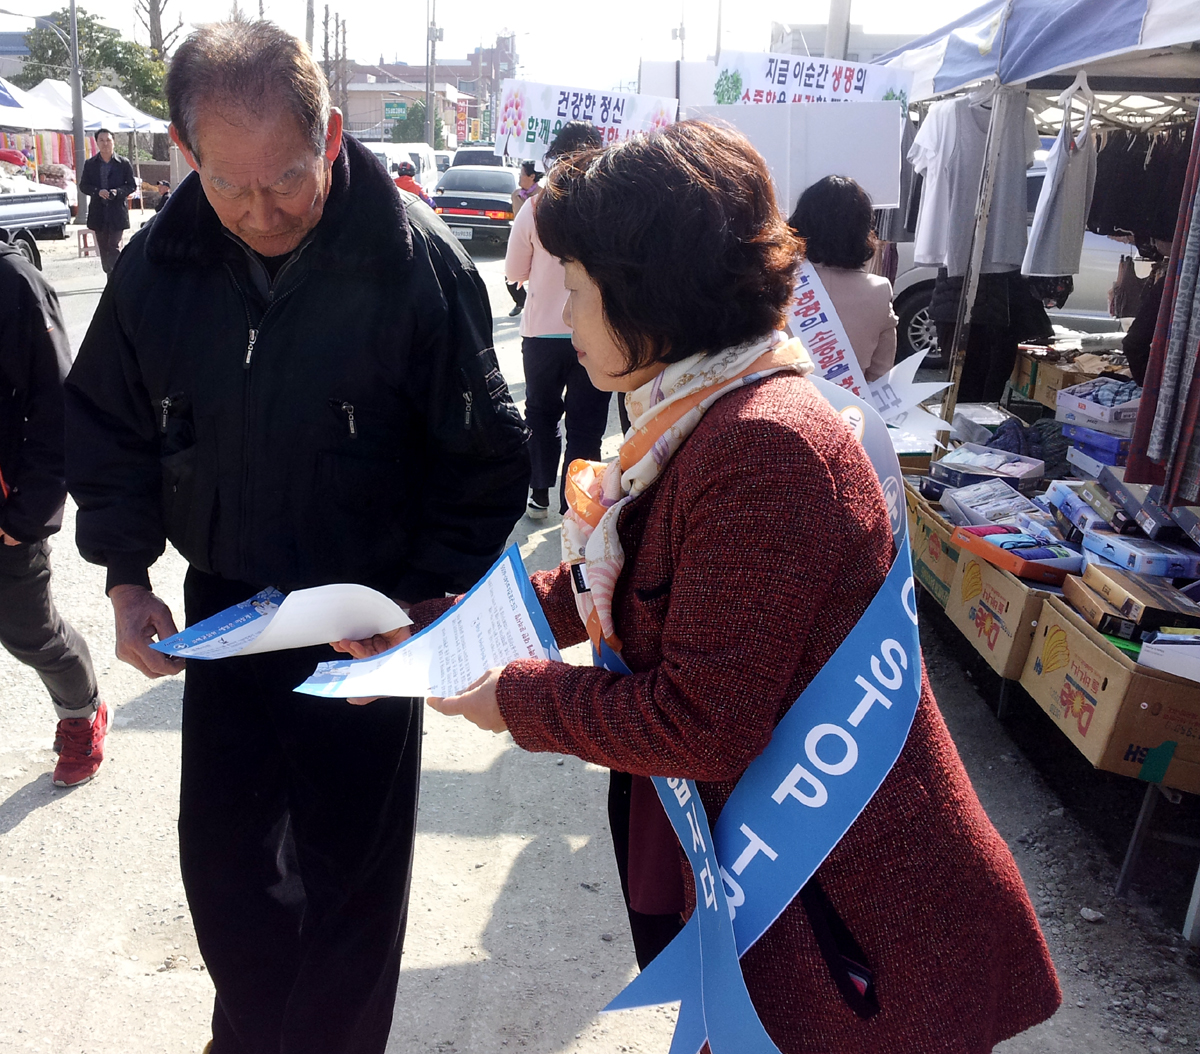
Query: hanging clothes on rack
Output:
(931,146)
(1139,182)
(891,225)
(1060,220)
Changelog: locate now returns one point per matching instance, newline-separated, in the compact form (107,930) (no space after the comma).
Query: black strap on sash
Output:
(846,961)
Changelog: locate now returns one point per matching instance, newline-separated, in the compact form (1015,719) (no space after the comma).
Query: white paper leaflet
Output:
(497,622)
(271,621)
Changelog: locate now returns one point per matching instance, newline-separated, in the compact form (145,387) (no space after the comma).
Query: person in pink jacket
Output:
(834,218)
(555,381)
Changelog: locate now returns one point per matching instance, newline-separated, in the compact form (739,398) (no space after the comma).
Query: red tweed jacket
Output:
(748,562)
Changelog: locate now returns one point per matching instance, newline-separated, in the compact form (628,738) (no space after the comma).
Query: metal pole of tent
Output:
(81,209)
(958,351)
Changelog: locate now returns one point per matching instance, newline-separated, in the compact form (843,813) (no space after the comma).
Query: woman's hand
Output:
(364,649)
(477,703)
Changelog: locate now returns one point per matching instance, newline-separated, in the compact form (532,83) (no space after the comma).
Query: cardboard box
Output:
(996,612)
(1051,379)
(1123,429)
(1122,717)
(1097,611)
(935,560)
(1024,376)
(1141,502)
(1182,658)
(1078,398)
(1023,473)
(1143,556)
(1108,510)
(1188,517)
(1083,464)
(1115,447)
(1021,554)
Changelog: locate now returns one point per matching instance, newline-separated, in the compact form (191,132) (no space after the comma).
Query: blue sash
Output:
(826,758)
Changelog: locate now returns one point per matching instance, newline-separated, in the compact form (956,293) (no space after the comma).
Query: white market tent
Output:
(113,103)
(57,94)
(20,111)
(1141,59)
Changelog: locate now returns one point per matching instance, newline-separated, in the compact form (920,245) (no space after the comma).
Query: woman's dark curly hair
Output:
(681,232)
(834,218)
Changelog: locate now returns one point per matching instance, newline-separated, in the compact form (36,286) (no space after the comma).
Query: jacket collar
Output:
(363,224)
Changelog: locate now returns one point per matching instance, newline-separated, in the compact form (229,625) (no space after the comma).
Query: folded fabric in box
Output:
(972,463)
(1021,554)
(1143,555)
(1104,399)
(1040,525)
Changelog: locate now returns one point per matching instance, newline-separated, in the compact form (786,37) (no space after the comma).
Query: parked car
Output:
(29,211)
(476,201)
(1086,308)
(478,154)
(444,158)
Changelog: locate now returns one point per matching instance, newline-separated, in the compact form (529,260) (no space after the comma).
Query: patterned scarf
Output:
(663,413)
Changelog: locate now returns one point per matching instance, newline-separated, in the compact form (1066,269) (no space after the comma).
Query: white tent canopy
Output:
(112,102)
(58,95)
(21,111)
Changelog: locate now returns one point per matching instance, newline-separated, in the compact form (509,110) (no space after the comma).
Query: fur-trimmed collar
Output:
(364,223)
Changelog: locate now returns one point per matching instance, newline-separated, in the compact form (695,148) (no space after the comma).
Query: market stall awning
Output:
(20,110)
(1143,43)
(57,94)
(113,102)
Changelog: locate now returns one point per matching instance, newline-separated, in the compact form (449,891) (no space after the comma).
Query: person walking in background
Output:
(34,360)
(556,384)
(406,179)
(527,187)
(834,216)
(108,181)
(292,379)
(164,194)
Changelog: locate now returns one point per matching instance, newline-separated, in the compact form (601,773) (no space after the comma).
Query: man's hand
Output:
(104,193)
(140,617)
(477,703)
(8,539)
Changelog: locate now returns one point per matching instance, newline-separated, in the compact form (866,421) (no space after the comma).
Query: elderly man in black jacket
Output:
(34,360)
(291,378)
(108,179)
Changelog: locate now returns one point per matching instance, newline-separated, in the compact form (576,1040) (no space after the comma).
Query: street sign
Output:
(395,110)
(475,128)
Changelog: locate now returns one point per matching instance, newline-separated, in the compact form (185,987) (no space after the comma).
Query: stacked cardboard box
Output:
(1098,418)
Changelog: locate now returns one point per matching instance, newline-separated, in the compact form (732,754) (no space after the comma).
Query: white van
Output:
(421,156)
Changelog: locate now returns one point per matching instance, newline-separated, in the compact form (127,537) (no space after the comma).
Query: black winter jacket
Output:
(34,359)
(346,423)
(111,213)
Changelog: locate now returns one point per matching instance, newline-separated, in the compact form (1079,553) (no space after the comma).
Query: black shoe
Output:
(515,311)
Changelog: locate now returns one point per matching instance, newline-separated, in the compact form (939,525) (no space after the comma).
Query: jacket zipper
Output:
(165,404)
(348,410)
(468,399)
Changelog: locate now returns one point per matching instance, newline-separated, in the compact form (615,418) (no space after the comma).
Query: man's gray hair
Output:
(244,65)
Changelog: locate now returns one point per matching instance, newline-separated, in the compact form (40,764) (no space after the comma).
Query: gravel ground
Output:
(517,934)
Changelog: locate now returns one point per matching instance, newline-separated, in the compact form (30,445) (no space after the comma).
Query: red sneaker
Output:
(79,743)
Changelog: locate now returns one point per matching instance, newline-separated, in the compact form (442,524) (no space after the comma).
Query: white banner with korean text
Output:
(532,114)
(758,77)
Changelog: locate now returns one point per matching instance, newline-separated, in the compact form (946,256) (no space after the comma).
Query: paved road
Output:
(517,933)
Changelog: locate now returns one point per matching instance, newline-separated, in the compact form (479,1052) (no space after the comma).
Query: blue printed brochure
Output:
(271,621)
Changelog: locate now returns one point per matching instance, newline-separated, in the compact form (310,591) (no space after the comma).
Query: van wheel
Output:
(916,331)
(28,247)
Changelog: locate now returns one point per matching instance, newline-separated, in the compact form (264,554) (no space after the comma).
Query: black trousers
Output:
(33,632)
(551,369)
(991,353)
(296,825)
(108,241)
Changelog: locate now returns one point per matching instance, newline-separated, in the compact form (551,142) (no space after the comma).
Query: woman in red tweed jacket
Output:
(749,534)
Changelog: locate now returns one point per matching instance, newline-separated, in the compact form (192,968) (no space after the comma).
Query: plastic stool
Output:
(87,242)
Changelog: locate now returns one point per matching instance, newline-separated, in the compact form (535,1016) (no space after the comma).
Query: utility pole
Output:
(837,33)
(433,36)
(308,25)
(335,86)
(345,76)
(717,53)
(678,34)
(77,114)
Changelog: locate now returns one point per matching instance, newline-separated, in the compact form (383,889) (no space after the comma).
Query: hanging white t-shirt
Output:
(932,146)
(1056,238)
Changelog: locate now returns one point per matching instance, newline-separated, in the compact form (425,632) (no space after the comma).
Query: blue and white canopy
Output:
(1021,40)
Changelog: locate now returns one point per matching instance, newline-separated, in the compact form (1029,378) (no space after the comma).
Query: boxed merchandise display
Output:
(1065,415)
(935,560)
(1121,716)
(1140,502)
(1144,556)
(1095,399)
(983,503)
(1114,447)
(1096,610)
(996,612)
(1080,514)
(1172,653)
(1188,517)
(972,463)
(1108,510)
(1083,464)
(1020,554)
(1151,602)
